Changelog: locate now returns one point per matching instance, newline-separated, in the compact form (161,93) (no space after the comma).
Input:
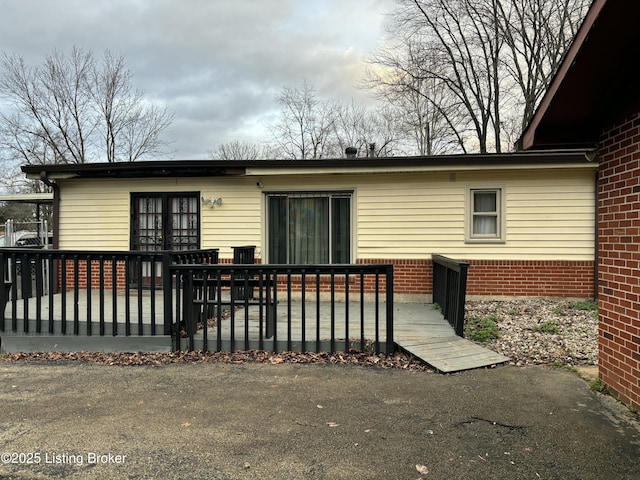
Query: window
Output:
(485,219)
(309,228)
(165,221)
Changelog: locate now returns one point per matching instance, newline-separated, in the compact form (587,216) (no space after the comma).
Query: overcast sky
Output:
(216,64)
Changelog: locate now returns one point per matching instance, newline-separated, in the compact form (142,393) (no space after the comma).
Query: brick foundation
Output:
(71,267)
(521,278)
(619,260)
(539,278)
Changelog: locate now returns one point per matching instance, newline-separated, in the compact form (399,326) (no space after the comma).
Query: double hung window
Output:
(485,218)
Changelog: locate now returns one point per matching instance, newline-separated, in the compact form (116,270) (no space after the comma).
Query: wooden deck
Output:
(419,329)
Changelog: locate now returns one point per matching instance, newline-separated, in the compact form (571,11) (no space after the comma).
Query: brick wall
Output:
(79,267)
(542,278)
(619,260)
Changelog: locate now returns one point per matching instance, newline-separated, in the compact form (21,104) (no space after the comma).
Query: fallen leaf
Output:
(422,469)
(333,424)
(185,424)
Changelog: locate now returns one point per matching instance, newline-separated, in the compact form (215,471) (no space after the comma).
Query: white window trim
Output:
(500,237)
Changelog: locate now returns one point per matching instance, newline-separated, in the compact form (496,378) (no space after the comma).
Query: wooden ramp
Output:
(422,331)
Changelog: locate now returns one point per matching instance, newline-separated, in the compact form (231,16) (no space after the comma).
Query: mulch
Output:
(399,360)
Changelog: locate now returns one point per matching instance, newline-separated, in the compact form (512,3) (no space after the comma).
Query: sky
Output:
(217,65)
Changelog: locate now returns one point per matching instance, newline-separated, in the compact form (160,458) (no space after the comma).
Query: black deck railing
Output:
(285,307)
(200,303)
(450,289)
(89,293)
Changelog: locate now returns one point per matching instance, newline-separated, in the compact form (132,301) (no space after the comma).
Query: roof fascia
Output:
(529,135)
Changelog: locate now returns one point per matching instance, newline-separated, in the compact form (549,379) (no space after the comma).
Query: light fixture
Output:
(211,201)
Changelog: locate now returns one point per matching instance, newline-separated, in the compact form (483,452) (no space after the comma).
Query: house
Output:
(525,221)
(594,102)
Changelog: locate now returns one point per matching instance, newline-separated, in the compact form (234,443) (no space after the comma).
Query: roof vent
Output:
(351,152)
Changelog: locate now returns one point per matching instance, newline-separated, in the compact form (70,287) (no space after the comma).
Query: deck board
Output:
(424,333)
(419,328)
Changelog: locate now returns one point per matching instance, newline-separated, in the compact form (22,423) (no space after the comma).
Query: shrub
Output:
(482,329)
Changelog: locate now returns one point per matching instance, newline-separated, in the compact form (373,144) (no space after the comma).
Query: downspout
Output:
(56,206)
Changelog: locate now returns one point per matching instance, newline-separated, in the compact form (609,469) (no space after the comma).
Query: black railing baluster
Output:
(114,295)
(333,311)
(232,312)
(303,310)
(218,297)
(346,313)
(274,313)
(377,310)
(246,293)
(288,309)
(39,281)
(101,293)
(449,290)
(88,290)
(76,295)
(54,265)
(62,274)
(362,335)
(152,293)
(390,344)
(140,289)
(318,323)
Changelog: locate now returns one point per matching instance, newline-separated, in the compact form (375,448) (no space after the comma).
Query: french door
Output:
(163,221)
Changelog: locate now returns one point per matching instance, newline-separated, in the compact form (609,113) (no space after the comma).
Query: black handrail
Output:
(450,289)
(207,301)
(138,293)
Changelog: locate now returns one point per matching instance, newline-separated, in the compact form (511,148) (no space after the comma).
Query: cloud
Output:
(216,64)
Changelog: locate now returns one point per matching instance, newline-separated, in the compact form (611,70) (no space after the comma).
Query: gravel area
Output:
(537,331)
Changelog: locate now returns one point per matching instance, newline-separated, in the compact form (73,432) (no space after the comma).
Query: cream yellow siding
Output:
(549,214)
(95,214)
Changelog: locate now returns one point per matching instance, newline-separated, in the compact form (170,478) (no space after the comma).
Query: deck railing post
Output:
(462,294)
(5,288)
(167,288)
(390,344)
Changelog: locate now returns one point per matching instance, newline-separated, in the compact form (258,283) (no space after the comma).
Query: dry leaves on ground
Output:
(396,361)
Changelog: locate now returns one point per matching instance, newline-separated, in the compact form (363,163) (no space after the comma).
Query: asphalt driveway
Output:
(256,421)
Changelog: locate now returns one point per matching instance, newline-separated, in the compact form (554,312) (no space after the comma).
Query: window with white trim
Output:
(485,215)
(309,227)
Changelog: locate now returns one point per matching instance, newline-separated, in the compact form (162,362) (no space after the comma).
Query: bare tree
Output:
(371,131)
(237,150)
(490,60)
(305,124)
(310,127)
(536,34)
(71,109)
(429,119)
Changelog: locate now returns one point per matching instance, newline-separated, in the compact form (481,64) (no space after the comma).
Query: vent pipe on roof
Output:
(372,150)
(351,152)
